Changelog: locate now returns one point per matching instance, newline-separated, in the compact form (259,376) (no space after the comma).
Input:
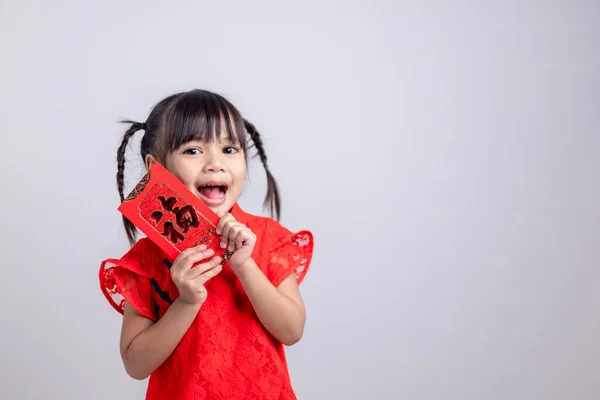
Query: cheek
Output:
(239,172)
(240,181)
(171,165)
(180,170)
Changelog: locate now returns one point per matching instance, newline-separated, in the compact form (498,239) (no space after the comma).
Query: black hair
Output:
(187,116)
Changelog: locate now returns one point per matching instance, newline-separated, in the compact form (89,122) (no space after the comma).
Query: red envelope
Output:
(170,215)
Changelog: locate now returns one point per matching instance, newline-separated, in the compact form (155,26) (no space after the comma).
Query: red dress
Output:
(226,353)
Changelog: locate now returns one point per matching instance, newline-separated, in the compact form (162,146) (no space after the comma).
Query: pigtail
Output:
(272,199)
(130,228)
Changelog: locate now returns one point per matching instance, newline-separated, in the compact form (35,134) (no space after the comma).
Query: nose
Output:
(213,162)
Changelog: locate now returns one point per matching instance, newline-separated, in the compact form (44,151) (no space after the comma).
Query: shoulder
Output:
(285,251)
(265,228)
(129,278)
(290,252)
(142,258)
(271,232)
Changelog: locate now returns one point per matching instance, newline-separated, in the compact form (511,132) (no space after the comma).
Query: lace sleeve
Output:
(125,280)
(292,254)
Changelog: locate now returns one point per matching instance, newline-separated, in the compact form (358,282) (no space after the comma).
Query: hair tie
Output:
(143,126)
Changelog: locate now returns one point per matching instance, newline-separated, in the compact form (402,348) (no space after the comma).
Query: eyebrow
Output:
(222,139)
(225,139)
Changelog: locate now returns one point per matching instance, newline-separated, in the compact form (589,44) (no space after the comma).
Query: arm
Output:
(280,309)
(145,345)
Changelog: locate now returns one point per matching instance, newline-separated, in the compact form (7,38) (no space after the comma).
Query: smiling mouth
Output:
(213,193)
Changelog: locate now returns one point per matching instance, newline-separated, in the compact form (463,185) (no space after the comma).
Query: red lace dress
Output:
(226,353)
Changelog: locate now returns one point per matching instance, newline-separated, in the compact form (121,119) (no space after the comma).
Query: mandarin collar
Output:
(239,214)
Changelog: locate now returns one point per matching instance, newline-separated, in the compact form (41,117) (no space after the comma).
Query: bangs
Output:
(202,116)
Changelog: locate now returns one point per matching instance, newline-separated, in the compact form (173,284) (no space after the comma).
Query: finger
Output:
(221,225)
(191,250)
(227,227)
(237,237)
(222,222)
(189,259)
(203,268)
(211,273)
(242,237)
(215,263)
(234,232)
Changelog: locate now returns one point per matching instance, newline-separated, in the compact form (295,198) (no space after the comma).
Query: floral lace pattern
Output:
(293,256)
(122,280)
(226,353)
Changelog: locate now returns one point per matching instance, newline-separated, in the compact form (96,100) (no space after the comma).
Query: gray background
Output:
(444,153)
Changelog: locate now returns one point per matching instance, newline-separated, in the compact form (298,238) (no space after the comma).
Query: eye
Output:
(193,151)
(230,150)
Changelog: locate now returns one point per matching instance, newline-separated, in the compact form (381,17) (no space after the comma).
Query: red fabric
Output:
(226,353)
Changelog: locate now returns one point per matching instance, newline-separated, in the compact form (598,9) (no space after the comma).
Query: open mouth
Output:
(213,192)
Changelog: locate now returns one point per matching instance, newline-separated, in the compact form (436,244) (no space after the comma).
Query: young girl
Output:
(211,331)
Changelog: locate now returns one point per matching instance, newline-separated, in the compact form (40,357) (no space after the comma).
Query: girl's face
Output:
(214,171)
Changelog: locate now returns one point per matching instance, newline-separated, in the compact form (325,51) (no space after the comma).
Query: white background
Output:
(446,155)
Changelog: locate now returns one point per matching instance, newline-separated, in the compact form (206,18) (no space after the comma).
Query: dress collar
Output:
(239,214)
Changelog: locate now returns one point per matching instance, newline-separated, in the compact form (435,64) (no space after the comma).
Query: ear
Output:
(150,160)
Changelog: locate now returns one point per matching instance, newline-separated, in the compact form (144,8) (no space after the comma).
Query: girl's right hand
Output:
(190,281)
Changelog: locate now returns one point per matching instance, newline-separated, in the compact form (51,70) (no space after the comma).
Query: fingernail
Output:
(210,251)
(202,247)
(223,244)
(217,260)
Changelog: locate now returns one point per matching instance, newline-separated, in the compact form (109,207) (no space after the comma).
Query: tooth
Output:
(221,194)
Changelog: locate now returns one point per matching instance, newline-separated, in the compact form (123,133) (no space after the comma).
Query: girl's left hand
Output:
(238,238)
